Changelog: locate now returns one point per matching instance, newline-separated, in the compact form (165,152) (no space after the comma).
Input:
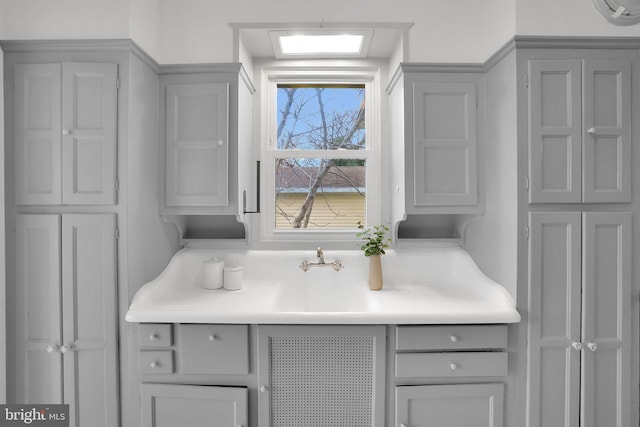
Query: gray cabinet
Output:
(450,405)
(444,144)
(579,131)
(171,405)
(437,125)
(428,356)
(580,319)
(66,305)
(321,375)
(197,144)
(65,120)
(207,131)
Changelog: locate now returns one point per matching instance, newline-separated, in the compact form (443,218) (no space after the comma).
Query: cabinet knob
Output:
(263,389)
(66,132)
(154,337)
(453,366)
(592,346)
(213,337)
(67,348)
(52,348)
(591,131)
(220,143)
(403,425)
(155,364)
(454,338)
(577,345)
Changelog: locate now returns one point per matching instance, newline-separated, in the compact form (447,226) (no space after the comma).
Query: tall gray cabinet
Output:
(579,238)
(62,228)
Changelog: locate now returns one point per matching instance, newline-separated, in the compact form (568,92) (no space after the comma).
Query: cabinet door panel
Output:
(555,136)
(38,299)
(606,319)
(89,118)
(478,405)
(554,310)
(89,301)
(197,144)
(607,132)
(37,134)
(165,405)
(321,375)
(445,144)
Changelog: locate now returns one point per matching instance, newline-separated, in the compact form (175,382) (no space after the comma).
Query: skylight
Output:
(321,43)
(318,44)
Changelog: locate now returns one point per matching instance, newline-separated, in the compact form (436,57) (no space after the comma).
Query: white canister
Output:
(213,274)
(233,277)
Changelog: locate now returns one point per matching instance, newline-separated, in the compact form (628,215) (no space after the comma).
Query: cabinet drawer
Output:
(213,349)
(155,335)
(156,362)
(458,364)
(451,337)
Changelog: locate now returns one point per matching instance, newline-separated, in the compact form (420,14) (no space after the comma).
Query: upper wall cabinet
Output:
(579,131)
(207,133)
(65,120)
(436,126)
(197,144)
(444,144)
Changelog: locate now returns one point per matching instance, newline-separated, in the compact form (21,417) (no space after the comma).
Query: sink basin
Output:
(323,298)
(438,285)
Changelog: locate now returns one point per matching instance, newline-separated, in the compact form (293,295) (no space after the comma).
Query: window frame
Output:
(271,78)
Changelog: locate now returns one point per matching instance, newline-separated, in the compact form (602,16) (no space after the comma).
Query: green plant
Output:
(374,239)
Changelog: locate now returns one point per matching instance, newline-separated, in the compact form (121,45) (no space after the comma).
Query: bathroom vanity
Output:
(319,348)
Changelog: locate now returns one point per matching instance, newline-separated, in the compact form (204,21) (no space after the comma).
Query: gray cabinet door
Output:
(580,319)
(169,405)
(331,376)
(554,318)
(89,318)
(65,134)
(89,117)
(445,144)
(38,322)
(606,324)
(66,287)
(478,405)
(579,131)
(555,131)
(197,144)
(38,138)
(606,140)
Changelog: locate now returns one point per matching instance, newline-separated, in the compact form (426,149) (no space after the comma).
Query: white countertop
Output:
(426,286)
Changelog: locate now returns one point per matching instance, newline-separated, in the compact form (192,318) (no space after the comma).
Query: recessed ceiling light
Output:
(321,43)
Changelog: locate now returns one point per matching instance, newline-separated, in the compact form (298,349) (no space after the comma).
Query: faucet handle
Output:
(319,253)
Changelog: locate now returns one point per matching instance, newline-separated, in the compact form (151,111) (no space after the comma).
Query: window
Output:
(320,157)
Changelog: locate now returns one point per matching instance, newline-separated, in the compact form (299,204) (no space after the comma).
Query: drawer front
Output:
(156,362)
(451,337)
(213,349)
(155,335)
(458,364)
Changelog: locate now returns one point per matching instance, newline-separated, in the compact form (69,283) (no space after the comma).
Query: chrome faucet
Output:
(306,265)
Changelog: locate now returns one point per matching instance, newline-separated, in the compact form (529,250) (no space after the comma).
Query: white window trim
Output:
(270,78)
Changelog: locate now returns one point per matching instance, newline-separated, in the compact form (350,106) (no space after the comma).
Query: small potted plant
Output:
(374,243)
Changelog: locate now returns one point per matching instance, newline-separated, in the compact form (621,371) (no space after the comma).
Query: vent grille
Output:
(322,381)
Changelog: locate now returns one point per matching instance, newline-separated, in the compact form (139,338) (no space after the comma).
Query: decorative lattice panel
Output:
(322,381)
